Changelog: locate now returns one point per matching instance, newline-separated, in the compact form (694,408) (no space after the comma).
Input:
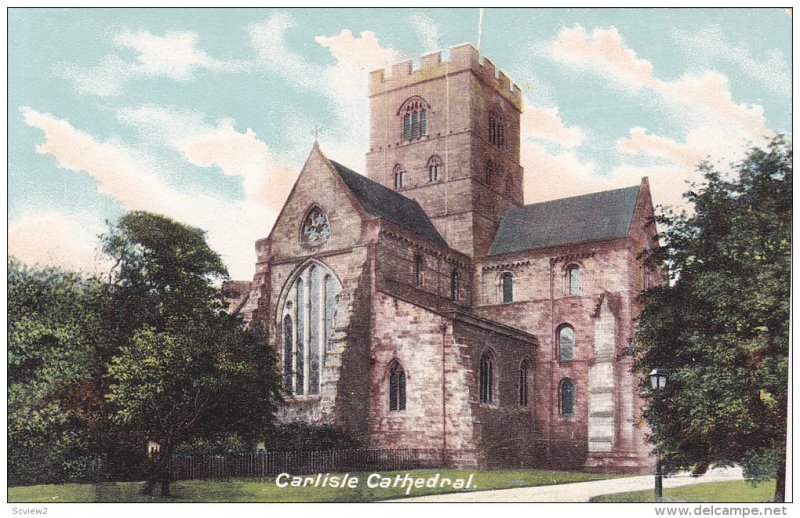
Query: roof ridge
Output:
(578,196)
(406,213)
(339,168)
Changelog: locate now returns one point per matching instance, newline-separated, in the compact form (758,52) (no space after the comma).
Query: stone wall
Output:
(464,204)
(542,304)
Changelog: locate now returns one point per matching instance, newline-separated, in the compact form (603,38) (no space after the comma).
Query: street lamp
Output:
(658,380)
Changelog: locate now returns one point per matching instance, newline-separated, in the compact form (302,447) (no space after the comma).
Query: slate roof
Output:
(385,203)
(600,215)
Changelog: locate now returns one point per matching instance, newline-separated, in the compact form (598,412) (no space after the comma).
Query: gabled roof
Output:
(387,204)
(599,215)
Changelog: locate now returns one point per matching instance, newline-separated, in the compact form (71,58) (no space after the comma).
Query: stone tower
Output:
(448,136)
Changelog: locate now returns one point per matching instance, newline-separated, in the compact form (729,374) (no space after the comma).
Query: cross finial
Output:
(316,131)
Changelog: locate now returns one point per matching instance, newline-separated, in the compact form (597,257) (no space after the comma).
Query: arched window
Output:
(567,397)
(414,113)
(566,343)
(497,129)
(523,383)
(309,310)
(288,343)
(399,173)
(397,387)
(487,378)
(507,281)
(489,172)
(454,285)
(574,280)
(434,165)
(418,264)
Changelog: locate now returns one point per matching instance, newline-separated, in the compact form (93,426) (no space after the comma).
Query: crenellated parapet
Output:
(463,57)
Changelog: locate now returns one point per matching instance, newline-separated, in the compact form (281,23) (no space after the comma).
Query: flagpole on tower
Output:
(480,26)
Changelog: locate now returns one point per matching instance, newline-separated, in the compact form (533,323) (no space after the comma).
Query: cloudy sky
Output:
(206,115)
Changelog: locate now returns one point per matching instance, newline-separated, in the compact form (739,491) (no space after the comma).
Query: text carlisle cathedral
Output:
(425,306)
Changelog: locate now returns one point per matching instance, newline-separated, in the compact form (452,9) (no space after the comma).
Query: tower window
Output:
(397,387)
(497,129)
(507,283)
(489,172)
(414,113)
(398,176)
(434,165)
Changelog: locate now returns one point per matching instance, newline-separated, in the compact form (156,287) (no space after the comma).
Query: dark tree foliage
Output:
(96,367)
(720,326)
(54,332)
(185,370)
(309,437)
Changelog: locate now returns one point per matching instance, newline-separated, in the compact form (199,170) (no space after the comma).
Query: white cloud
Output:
(344,83)
(55,239)
(174,55)
(693,98)
(550,176)
(544,123)
(266,180)
(427,30)
(132,177)
(639,141)
(708,46)
(268,39)
(716,126)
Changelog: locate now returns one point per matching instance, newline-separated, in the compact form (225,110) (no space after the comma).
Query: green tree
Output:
(54,333)
(720,327)
(185,369)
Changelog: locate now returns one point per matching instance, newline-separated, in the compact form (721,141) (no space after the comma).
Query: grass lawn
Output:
(733,491)
(265,490)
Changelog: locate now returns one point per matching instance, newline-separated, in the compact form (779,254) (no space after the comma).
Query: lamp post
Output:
(658,380)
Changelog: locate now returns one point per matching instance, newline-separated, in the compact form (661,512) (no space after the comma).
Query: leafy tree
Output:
(54,333)
(720,327)
(185,369)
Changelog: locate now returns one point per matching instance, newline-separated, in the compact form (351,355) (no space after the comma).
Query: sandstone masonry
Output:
(426,307)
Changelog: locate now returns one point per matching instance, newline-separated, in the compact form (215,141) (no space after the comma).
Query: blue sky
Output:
(205,115)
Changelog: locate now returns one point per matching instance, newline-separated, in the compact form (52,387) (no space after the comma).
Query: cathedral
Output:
(423,305)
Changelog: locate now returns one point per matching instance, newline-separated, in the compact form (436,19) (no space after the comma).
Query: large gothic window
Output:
(487,378)
(316,228)
(397,387)
(308,317)
(566,343)
(414,113)
(288,329)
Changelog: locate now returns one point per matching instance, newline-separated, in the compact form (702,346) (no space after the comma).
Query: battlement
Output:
(462,57)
